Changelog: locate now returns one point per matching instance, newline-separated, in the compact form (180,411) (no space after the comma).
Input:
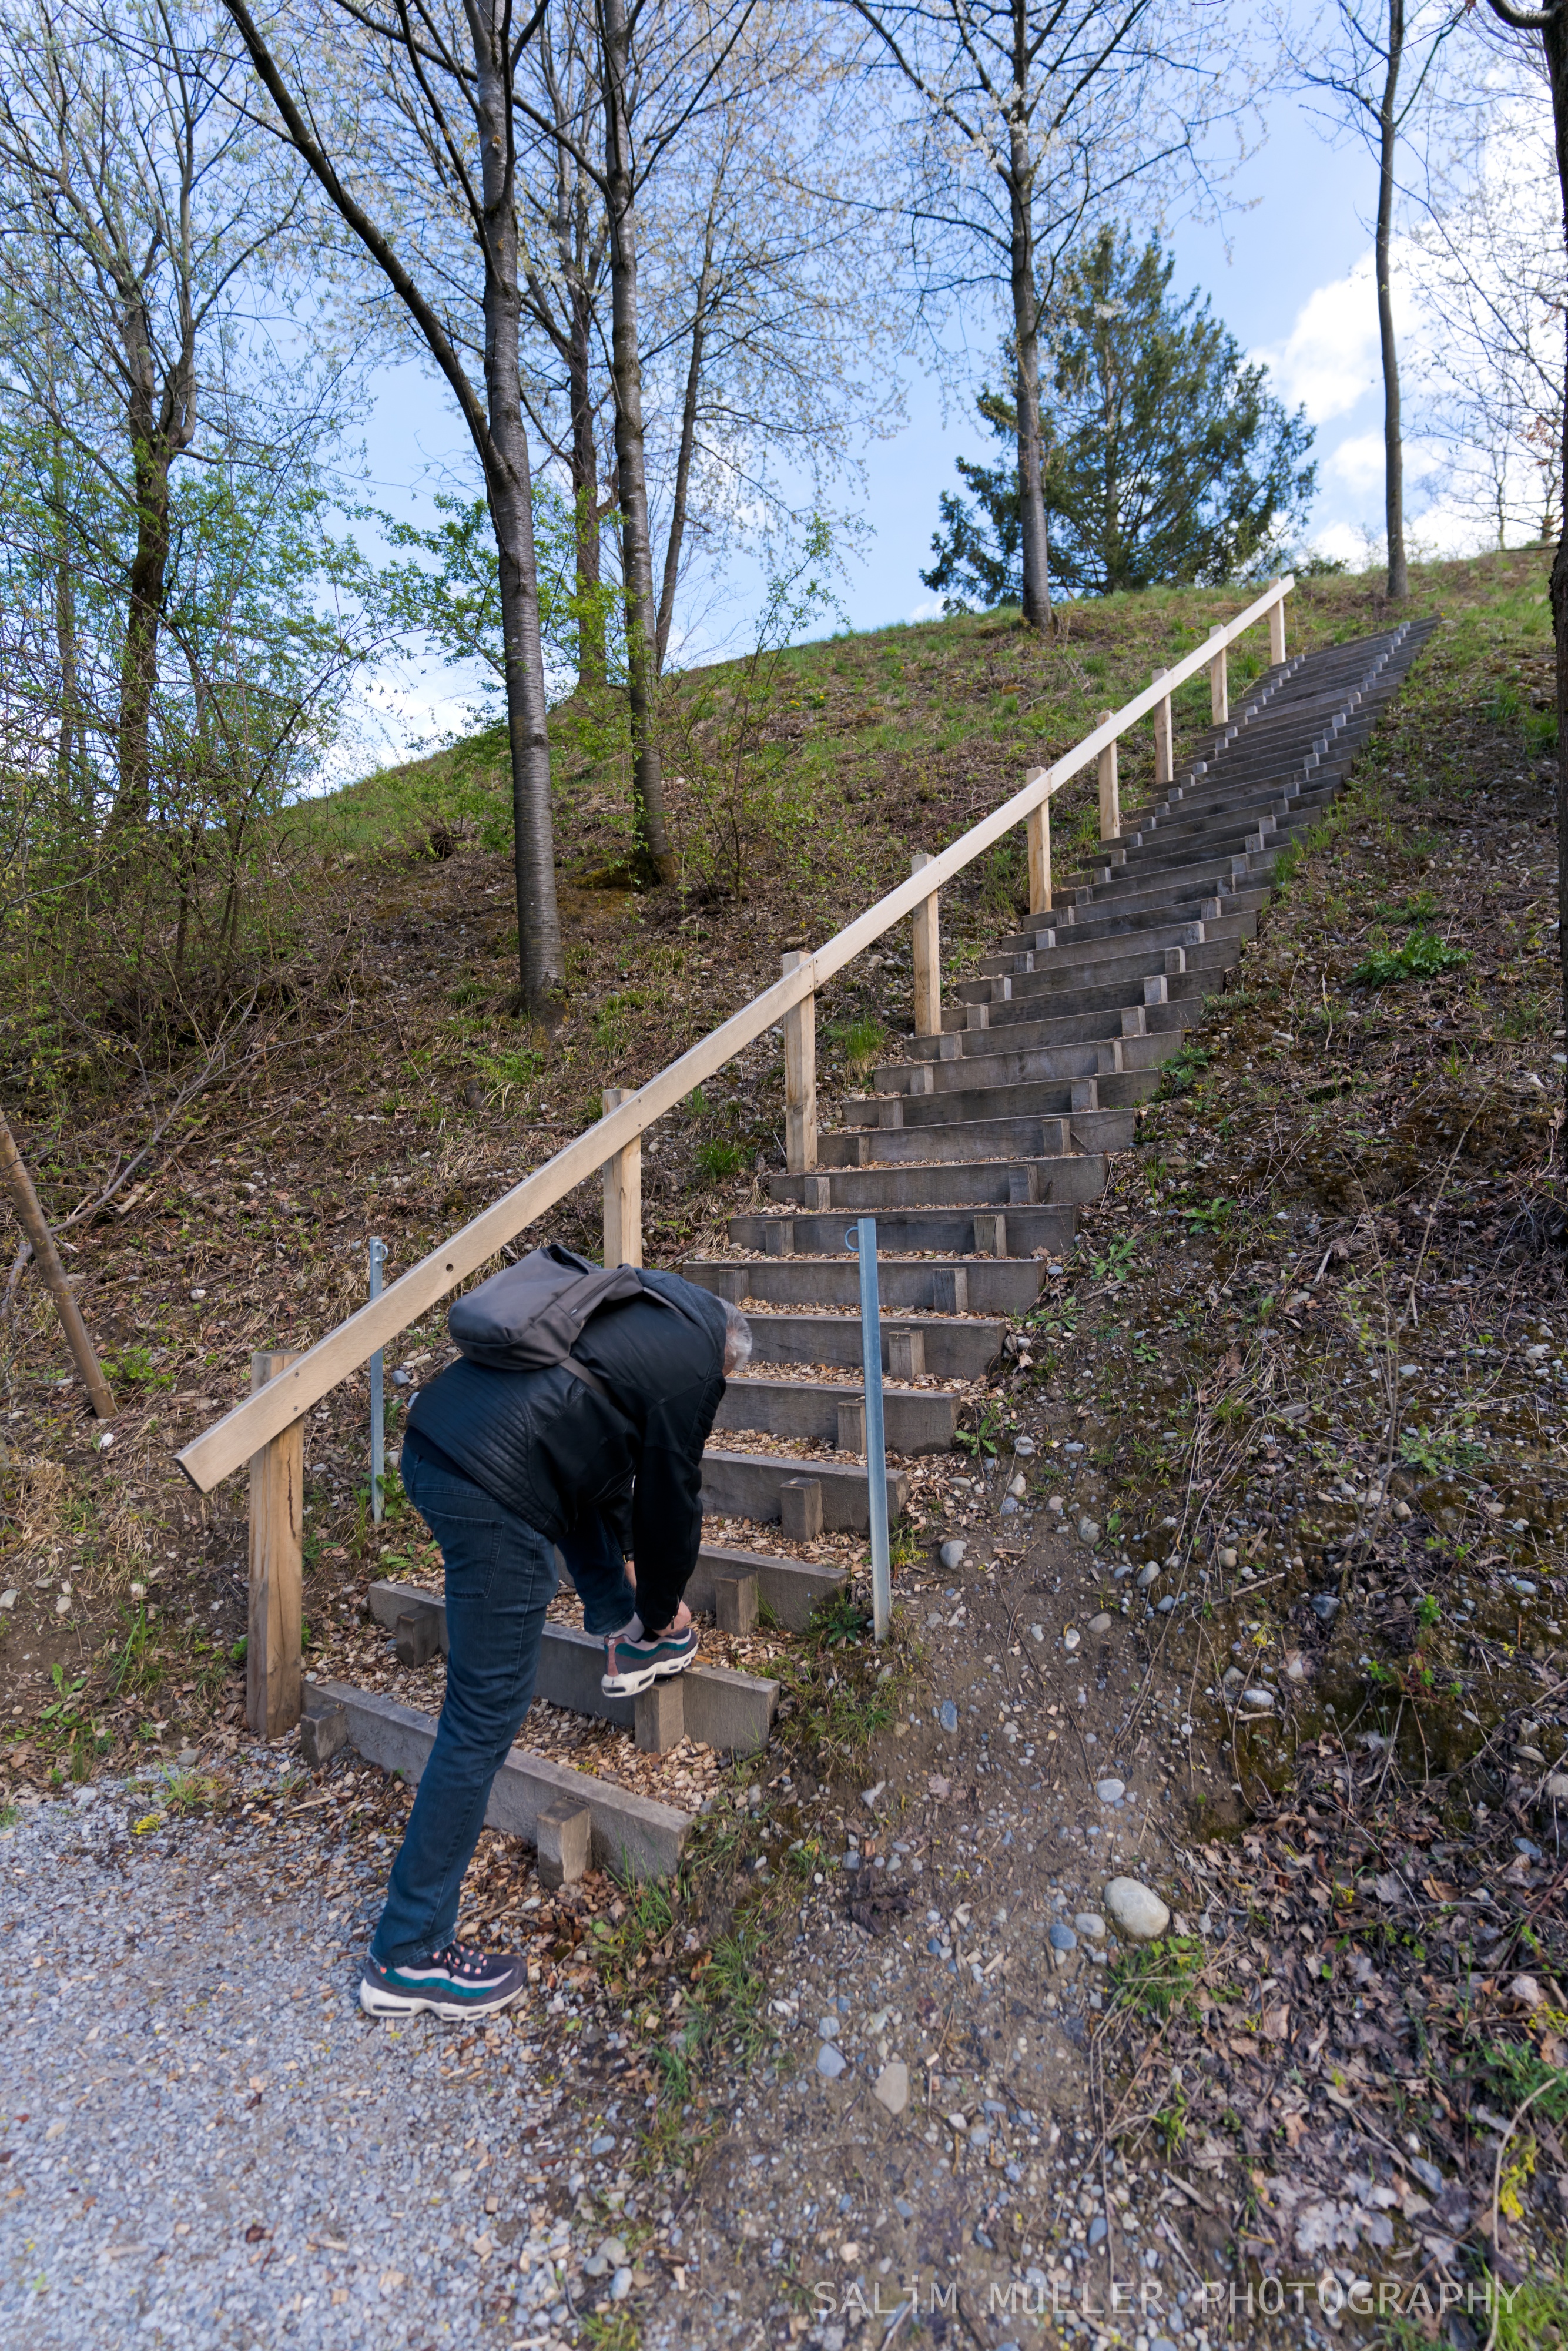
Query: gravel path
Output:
(204,2142)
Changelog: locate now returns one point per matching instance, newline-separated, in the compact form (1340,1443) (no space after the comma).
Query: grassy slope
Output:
(426,1097)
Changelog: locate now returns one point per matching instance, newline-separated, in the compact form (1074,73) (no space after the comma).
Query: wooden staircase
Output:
(974,1152)
(976,1149)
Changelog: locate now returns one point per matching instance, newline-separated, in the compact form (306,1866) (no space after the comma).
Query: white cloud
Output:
(1329,360)
(928,609)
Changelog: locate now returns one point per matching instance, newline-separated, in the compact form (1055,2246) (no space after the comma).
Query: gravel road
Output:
(203,2141)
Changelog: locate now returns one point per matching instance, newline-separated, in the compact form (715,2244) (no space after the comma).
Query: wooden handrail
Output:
(230,1442)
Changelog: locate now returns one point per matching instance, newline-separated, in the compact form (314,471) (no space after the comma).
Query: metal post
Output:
(862,1236)
(378,1408)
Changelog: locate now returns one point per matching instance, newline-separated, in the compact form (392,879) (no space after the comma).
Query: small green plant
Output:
(134,1368)
(237,1652)
(1178,1074)
(1208,1217)
(1428,1611)
(838,1621)
(1116,1262)
(1159,1977)
(1421,908)
(1421,1448)
(863,1042)
(718,1161)
(1422,956)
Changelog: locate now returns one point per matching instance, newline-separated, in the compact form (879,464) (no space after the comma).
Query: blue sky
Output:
(1289,271)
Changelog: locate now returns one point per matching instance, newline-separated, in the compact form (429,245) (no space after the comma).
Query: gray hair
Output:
(737,1341)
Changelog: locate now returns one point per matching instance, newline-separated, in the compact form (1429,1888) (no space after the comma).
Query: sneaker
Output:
(634,1666)
(456,1982)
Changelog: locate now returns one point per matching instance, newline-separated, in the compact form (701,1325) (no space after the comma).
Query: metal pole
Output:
(377,1409)
(863,1237)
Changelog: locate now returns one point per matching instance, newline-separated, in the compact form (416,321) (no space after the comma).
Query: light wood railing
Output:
(286,1388)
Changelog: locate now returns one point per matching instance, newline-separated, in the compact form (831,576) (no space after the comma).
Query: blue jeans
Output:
(500,1579)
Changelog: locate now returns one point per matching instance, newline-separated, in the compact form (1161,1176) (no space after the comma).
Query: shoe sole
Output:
(633,1685)
(377,2002)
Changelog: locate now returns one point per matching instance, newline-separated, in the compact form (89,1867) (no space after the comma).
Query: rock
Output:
(1147,1576)
(1296,1667)
(952,1553)
(831,2062)
(1056,1504)
(1140,1914)
(1037,1632)
(1522,1584)
(1110,1791)
(1257,1696)
(612,2253)
(186,1758)
(1023,1447)
(892,2089)
(1088,1532)
(1101,1624)
(1090,1924)
(870,1795)
(621,2286)
(1530,1755)
(948,1715)
(1231,1679)
(1166,1604)
(828,2028)
(1402,1509)
(1097,2229)
(1018,1487)
(1325,1605)
(1227,1559)
(604,2146)
(7,1599)
(1009,1509)
(1063,1938)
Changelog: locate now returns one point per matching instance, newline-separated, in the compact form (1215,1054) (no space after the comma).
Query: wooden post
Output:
(276,1569)
(1036,828)
(1165,767)
(1276,629)
(1219,685)
(30,1216)
(622,1195)
(799,1077)
(927,944)
(1109,788)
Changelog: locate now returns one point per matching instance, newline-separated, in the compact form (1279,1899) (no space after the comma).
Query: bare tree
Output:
(1492,291)
(1546,31)
(418,160)
(1029,120)
(135,207)
(1374,61)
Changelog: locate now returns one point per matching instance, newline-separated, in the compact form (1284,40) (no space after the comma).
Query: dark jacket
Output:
(552,1451)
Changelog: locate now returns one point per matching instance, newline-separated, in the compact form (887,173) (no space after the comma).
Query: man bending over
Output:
(601,1455)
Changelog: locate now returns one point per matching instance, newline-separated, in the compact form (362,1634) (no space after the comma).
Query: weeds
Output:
(720,1161)
(1159,1978)
(863,1040)
(1422,956)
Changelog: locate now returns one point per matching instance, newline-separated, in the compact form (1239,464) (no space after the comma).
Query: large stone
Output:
(1140,1914)
(831,2062)
(892,2086)
(1111,1792)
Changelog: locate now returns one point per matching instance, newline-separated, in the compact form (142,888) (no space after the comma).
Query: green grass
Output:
(718,1161)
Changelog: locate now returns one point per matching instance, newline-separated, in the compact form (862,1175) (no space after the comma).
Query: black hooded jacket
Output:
(552,1451)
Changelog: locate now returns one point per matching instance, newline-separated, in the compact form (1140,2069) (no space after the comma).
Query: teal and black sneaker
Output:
(632,1666)
(456,1982)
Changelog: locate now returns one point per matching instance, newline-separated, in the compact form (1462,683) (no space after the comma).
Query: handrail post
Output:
(1109,788)
(1165,766)
(927,949)
(273,1627)
(1220,684)
(1277,629)
(622,1195)
(1036,828)
(377,1368)
(799,1076)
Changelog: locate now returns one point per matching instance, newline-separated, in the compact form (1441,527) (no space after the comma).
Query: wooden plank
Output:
(622,1195)
(1037,831)
(35,1225)
(1165,735)
(1218,684)
(926,942)
(230,1442)
(276,1569)
(799,1078)
(1109,786)
(1277,629)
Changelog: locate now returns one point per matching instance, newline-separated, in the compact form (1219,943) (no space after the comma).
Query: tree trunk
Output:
(652,859)
(592,655)
(1392,442)
(138,658)
(1554,40)
(1032,536)
(673,548)
(509,489)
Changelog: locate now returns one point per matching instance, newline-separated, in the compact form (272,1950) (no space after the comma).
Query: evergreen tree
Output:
(1168,457)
